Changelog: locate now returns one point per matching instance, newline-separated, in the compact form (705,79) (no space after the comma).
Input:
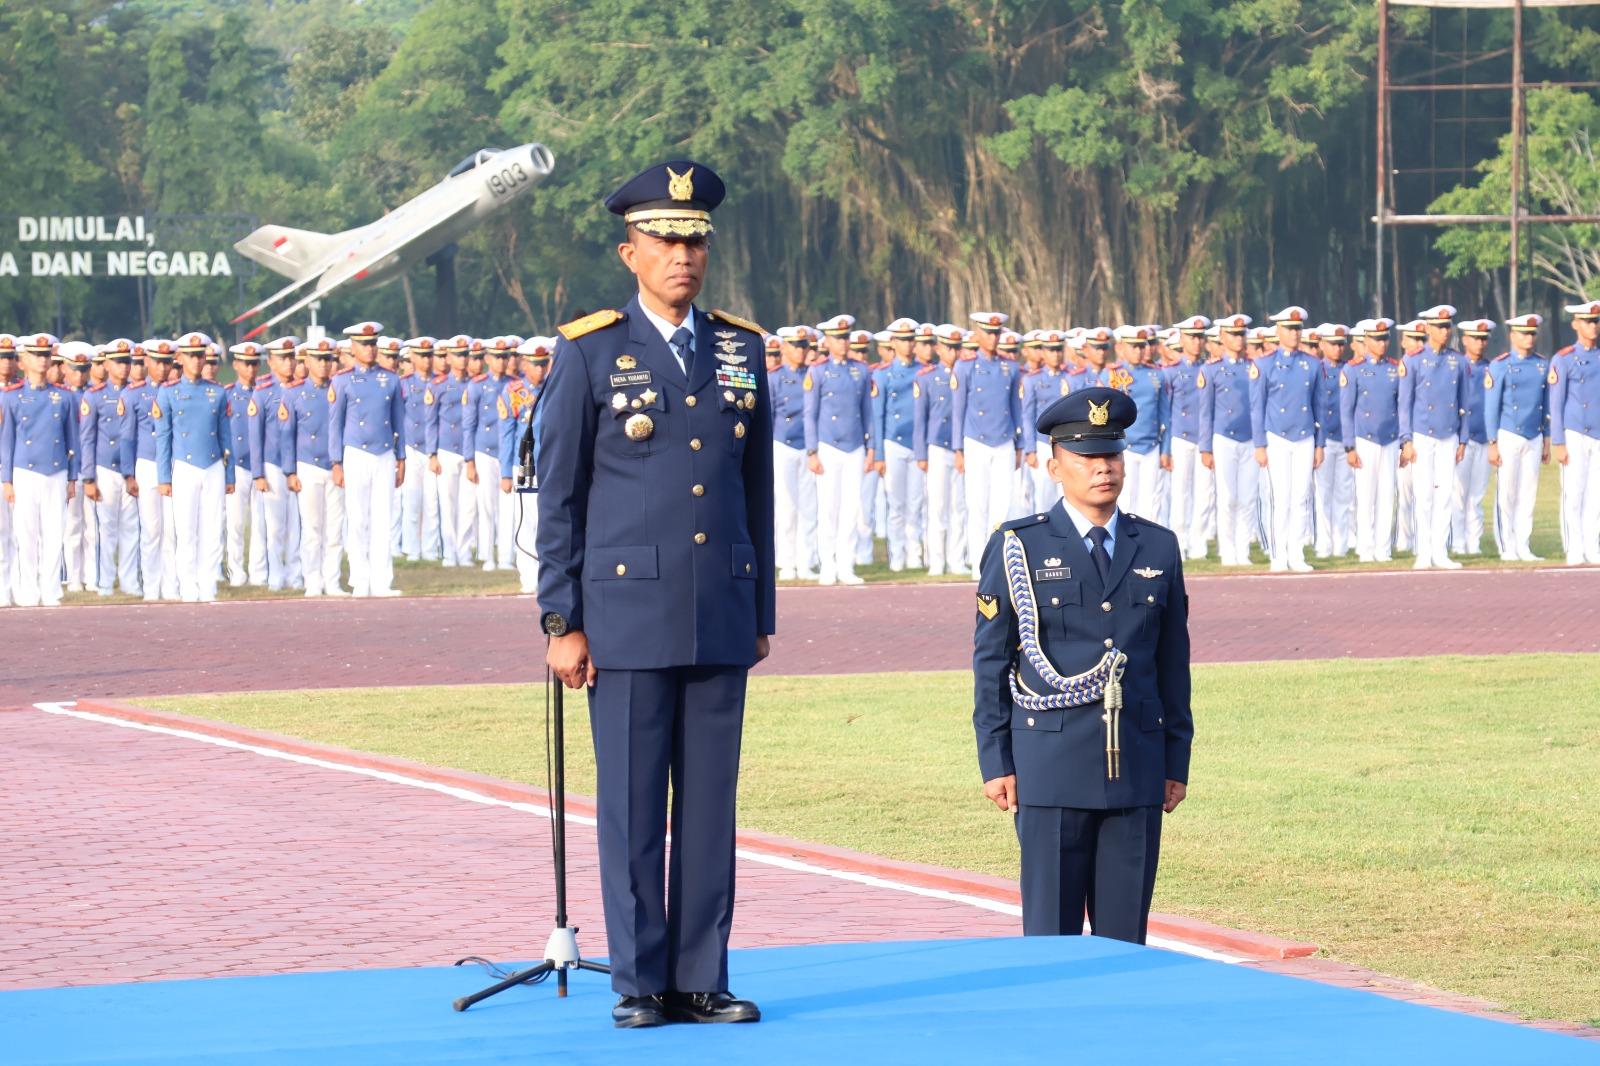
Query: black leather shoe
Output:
(708,1007)
(638,1012)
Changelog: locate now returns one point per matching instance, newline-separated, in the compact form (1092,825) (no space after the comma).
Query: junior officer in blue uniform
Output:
(656,588)
(1081,667)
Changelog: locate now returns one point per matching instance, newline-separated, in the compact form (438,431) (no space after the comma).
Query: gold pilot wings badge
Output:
(1145,571)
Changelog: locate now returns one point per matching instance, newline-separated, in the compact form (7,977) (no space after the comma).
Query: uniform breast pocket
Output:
(1060,604)
(1149,598)
(736,405)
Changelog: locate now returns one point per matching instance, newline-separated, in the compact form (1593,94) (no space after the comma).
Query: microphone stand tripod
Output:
(561,950)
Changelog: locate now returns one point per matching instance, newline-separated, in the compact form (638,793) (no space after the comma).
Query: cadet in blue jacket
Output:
(933,442)
(796,524)
(1574,381)
(656,588)
(1433,433)
(1223,391)
(1081,666)
(194,466)
(38,465)
(894,409)
(1369,426)
(365,441)
(1285,399)
(1516,419)
(303,411)
(246,507)
(841,442)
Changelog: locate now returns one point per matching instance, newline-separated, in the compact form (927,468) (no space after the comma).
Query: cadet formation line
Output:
(129,466)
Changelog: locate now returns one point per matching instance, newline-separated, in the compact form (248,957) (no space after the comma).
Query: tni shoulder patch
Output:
(988,606)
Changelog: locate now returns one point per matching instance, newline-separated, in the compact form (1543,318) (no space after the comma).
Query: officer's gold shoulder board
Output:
(589,323)
(1343,379)
(735,320)
(1553,377)
(988,606)
(500,406)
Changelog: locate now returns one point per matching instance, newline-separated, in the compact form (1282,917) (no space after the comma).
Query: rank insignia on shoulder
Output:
(1145,571)
(988,606)
(589,323)
(735,320)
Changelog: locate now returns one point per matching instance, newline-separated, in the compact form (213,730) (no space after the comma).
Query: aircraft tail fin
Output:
(290,252)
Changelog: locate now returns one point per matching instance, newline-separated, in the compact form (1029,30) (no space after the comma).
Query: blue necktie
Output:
(1101,557)
(683,348)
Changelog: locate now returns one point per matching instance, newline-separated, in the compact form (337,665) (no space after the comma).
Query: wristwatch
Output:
(554,624)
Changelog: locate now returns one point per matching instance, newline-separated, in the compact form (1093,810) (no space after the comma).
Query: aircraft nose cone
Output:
(540,160)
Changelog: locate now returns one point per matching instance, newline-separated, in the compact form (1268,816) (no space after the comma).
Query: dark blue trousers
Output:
(1099,862)
(650,727)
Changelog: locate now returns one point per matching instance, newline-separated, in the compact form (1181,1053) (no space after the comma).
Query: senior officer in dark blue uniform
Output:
(1081,663)
(656,587)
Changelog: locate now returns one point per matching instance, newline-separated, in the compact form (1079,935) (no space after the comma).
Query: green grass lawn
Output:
(1431,818)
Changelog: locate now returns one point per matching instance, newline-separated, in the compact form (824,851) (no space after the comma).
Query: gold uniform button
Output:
(738,430)
(1106,605)
(621,569)
(699,538)
(1150,599)
(747,568)
(699,490)
(690,401)
(1030,721)
(1108,642)
(694,444)
(1055,601)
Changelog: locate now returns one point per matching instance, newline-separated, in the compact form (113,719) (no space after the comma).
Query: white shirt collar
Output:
(1081,523)
(665,328)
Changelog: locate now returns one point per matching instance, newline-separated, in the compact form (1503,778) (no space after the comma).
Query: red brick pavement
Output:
(175,648)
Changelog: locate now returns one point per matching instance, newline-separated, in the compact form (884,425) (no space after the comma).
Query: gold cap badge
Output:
(1099,413)
(680,186)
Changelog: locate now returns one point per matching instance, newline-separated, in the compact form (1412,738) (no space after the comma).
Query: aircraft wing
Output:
(371,254)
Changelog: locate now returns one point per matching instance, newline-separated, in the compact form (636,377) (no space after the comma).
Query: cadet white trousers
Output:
(81,541)
(494,514)
(1405,509)
(791,549)
(1433,482)
(1046,491)
(8,552)
(1289,470)
(247,532)
(38,524)
(158,555)
(1194,499)
(868,520)
(369,520)
(990,470)
(903,484)
(117,520)
(281,509)
(321,528)
(458,509)
(1580,499)
(1516,486)
(419,509)
(1466,503)
(524,508)
(838,506)
(1335,502)
(1375,497)
(1141,486)
(946,512)
(197,514)
(1237,473)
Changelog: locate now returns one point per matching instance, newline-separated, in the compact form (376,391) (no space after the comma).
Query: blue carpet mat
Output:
(1067,999)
